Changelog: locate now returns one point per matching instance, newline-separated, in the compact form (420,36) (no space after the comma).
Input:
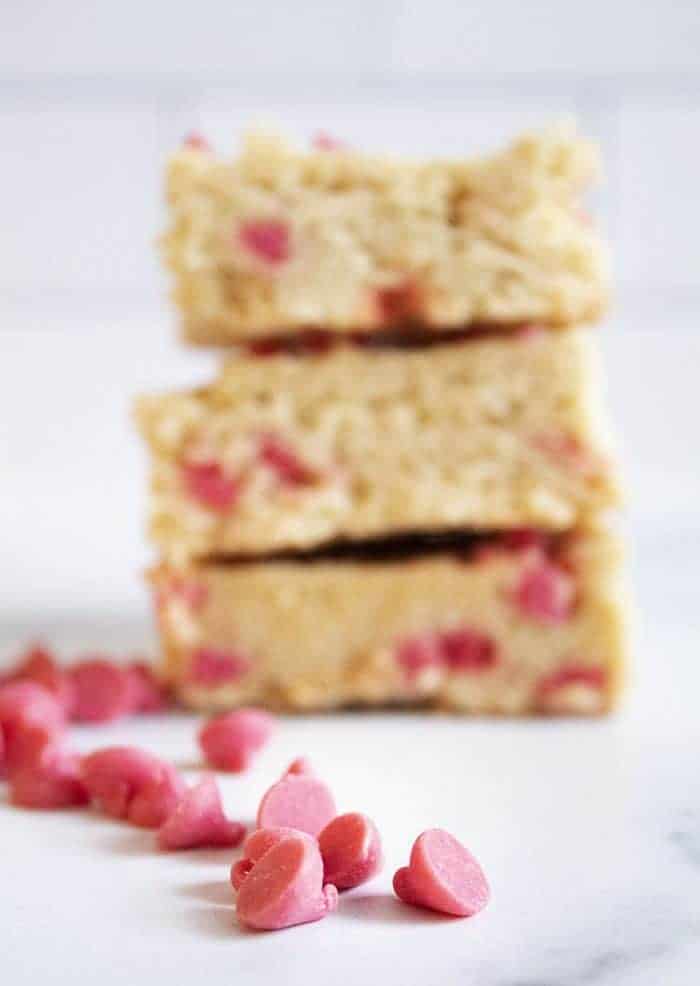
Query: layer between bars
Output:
(289,452)
(513,624)
(278,240)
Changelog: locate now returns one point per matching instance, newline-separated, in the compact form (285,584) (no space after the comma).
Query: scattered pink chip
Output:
(53,781)
(27,744)
(545,592)
(285,887)
(198,821)
(154,803)
(351,849)
(230,741)
(38,664)
(443,876)
(297,801)
(254,848)
(103,691)
(148,693)
(30,718)
(211,485)
(125,782)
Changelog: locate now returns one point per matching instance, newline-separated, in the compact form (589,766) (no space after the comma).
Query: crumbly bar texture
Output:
(512,624)
(293,451)
(279,240)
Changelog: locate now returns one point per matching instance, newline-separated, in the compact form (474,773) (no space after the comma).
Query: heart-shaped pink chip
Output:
(442,875)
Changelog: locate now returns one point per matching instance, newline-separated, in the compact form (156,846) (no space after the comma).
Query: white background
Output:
(94,94)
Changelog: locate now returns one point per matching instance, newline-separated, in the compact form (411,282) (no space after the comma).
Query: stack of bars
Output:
(394,489)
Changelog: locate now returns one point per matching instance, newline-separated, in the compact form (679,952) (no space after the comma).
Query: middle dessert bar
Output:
(291,451)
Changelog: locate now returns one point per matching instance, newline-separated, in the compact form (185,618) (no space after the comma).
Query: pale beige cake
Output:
(278,240)
(515,624)
(294,451)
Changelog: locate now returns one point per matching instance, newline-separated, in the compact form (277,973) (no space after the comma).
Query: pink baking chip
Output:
(467,650)
(290,469)
(125,782)
(443,876)
(297,801)
(212,666)
(351,850)
(230,741)
(285,887)
(211,485)
(103,690)
(545,592)
(52,781)
(155,802)
(267,239)
(198,821)
(254,848)
(38,664)
(30,718)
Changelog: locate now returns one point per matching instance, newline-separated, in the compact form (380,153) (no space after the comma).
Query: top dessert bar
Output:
(278,241)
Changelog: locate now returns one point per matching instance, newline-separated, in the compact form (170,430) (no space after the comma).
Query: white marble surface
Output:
(589,833)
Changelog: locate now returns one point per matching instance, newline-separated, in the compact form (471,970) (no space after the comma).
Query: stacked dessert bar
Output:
(394,489)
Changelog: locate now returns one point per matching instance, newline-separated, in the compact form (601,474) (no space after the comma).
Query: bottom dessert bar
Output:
(522,623)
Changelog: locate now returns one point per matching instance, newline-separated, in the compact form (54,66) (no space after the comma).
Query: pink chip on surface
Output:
(38,664)
(210,666)
(53,781)
(125,782)
(198,821)
(285,887)
(230,741)
(468,650)
(298,801)
(103,690)
(443,876)
(545,592)
(254,848)
(351,850)
(155,802)
(267,239)
(30,718)
(211,485)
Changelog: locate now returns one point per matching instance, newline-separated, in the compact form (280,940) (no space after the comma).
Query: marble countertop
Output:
(589,833)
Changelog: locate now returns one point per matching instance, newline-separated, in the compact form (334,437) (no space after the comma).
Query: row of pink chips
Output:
(95,689)
(295,862)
